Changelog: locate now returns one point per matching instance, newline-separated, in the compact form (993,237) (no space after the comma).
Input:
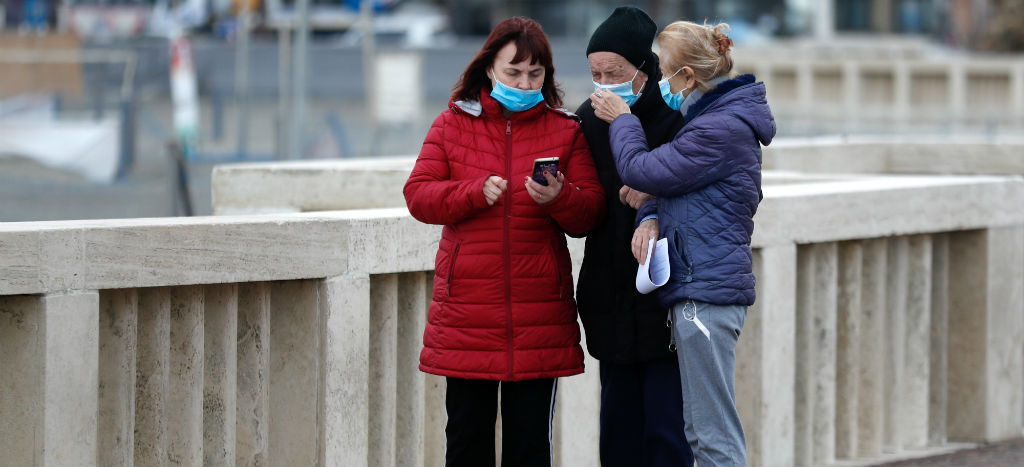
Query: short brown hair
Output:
(530,41)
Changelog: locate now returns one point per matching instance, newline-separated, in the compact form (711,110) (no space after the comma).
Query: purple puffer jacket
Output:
(708,184)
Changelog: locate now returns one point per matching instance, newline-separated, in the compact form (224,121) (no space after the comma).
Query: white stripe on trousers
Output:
(551,422)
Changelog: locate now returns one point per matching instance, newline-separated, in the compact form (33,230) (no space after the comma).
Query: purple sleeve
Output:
(648,209)
(695,158)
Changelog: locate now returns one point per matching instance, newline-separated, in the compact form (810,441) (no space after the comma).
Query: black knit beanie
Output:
(628,32)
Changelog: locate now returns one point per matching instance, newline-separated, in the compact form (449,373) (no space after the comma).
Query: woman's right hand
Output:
(633,198)
(494,187)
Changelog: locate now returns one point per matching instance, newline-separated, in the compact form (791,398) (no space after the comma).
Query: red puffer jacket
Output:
(503,306)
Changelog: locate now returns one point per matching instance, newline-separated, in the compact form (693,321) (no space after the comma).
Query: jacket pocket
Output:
(682,252)
(451,269)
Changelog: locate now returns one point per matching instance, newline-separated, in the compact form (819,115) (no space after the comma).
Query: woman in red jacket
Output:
(503,312)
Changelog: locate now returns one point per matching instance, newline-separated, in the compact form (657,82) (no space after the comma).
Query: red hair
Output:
(531,43)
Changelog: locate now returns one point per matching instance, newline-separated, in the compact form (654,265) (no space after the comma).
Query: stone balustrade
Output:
(889,319)
(897,155)
(881,94)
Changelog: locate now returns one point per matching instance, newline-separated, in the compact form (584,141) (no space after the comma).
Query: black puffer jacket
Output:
(622,326)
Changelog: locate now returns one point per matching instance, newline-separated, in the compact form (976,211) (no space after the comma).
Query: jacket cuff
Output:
(560,200)
(647,210)
(478,200)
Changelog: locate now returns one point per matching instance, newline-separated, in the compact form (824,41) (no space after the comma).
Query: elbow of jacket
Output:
(632,180)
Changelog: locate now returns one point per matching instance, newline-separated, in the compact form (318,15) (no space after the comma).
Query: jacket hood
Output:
(748,101)
(473,108)
(488,104)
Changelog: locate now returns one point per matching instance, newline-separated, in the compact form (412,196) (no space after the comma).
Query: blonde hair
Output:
(703,47)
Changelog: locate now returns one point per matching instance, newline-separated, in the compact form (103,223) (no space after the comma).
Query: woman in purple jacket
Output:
(707,185)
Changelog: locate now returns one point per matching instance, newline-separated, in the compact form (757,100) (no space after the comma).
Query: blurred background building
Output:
(119,108)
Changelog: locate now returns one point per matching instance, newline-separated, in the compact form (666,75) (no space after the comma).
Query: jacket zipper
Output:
(508,245)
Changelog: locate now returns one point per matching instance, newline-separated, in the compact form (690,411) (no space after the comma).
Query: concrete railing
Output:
(899,93)
(216,341)
(889,318)
(855,234)
(899,155)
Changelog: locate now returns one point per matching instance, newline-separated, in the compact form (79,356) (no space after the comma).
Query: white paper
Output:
(653,273)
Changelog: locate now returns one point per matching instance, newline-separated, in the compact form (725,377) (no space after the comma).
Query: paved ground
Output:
(1003,454)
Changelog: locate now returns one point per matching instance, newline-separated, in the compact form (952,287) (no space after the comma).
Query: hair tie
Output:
(724,43)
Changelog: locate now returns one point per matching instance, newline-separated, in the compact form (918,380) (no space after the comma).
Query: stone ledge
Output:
(40,257)
(310,185)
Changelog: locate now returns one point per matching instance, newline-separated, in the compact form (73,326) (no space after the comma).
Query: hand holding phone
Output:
(546,164)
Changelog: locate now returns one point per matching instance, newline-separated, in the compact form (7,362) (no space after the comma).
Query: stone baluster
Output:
(816,354)
(986,327)
(763,72)
(917,343)
(436,416)
(901,79)
(805,88)
(185,397)
(894,332)
(848,347)
(383,364)
(851,89)
(294,373)
(411,417)
(871,385)
(957,80)
(939,356)
(765,353)
(48,391)
(152,378)
(115,429)
(345,310)
(1017,91)
(252,434)
(220,364)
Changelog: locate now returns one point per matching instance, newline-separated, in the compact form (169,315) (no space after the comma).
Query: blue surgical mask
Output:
(674,101)
(623,90)
(515,99)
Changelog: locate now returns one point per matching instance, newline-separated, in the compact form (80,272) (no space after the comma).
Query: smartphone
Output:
(545,164)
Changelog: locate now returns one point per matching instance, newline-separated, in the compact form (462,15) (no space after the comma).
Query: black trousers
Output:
(527,408)
(642,415)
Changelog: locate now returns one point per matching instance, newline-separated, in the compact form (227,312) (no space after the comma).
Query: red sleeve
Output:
(431,195)
(580,206)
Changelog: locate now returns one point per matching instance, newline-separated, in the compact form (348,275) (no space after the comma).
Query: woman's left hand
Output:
(608,105)
(545,194)
(645,232)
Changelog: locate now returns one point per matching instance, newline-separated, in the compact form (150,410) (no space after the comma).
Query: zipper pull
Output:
(508,127)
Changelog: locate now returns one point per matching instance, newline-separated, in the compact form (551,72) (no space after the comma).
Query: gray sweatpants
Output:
(705,336)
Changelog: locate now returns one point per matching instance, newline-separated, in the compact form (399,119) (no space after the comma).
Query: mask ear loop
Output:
(642,86)
(673,76)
